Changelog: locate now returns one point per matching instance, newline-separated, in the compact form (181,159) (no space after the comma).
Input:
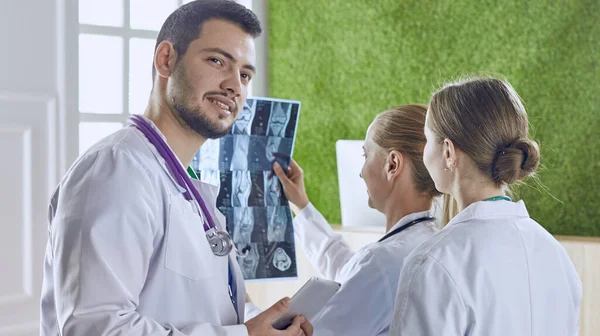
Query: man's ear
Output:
(165,59)
(394,164)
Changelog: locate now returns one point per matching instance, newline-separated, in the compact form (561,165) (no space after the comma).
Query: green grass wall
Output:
(348,60)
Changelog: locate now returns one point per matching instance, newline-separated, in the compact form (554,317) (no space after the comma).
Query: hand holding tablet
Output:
(308,301)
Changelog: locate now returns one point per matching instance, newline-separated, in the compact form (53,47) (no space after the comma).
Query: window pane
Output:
(100,74)
(102,13)
(141,52)
(246,3)
(150,14)
(92,132)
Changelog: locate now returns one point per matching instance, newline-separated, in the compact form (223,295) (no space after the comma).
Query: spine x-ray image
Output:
(250,195)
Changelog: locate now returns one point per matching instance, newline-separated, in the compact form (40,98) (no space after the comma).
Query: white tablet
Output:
(308,301)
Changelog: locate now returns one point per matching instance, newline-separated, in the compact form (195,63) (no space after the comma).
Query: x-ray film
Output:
(250,195)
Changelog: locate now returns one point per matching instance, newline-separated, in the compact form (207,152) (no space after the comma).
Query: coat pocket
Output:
(187,250)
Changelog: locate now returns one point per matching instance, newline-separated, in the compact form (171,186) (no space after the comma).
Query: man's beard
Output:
(197,121)
(194,119)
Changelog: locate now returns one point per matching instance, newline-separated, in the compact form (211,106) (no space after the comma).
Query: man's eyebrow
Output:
(230,57)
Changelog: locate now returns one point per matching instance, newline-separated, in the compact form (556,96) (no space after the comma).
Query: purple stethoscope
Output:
(220,241)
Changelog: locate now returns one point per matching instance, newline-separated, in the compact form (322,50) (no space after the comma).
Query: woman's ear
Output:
(394,164)
(450,156)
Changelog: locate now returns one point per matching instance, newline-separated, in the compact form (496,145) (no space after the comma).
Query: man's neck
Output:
(184,142)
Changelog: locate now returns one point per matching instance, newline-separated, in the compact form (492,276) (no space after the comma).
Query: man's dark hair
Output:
(184,25)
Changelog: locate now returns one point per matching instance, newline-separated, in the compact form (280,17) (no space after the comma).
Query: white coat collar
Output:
(201,186)
(490,209)
(411,217)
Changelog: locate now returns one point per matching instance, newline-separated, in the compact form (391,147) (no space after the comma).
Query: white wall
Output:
(33,37)
(31,110)
(29,46)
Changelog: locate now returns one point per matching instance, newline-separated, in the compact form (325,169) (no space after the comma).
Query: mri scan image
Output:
(208,156)
(250,196)
(257,191)
(243,225)
(281,260)
(249,264)
(260,122)
(272,149)
(273,190)
(241,149)
(277,219)
(264,151)
(243,124)
(225,188)
(279,118)
(242,184)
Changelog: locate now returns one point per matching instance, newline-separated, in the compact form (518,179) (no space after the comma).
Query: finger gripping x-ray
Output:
(250,195)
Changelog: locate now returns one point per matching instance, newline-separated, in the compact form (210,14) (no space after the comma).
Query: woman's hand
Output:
(293,185)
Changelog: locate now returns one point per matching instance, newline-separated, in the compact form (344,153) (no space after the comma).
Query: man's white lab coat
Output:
(127,253)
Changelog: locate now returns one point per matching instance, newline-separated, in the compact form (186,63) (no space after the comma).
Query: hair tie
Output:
(499,152)
(525,155)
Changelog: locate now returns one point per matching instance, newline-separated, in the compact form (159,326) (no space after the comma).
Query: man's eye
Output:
(216,61)
(246,77)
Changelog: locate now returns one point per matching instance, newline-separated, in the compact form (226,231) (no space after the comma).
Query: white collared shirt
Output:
(127,253)
(369,277)
(491,271)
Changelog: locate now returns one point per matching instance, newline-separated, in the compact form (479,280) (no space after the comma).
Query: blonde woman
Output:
(492,270)
(400,187)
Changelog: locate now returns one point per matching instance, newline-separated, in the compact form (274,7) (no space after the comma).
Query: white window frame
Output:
(126,33)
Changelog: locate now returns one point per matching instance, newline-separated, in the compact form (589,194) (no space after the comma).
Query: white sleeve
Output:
(102,239)
(427,301)
(364,303)
(251,311)
(327,251)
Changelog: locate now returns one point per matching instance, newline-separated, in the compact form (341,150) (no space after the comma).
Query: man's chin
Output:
(213,132)
(201,124)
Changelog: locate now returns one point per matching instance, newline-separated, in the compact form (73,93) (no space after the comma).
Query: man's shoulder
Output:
(127,142)
(125,152)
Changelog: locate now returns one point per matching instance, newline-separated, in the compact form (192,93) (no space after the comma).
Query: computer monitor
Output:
(354,198)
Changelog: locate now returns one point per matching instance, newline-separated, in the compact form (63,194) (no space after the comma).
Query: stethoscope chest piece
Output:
(220,242)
